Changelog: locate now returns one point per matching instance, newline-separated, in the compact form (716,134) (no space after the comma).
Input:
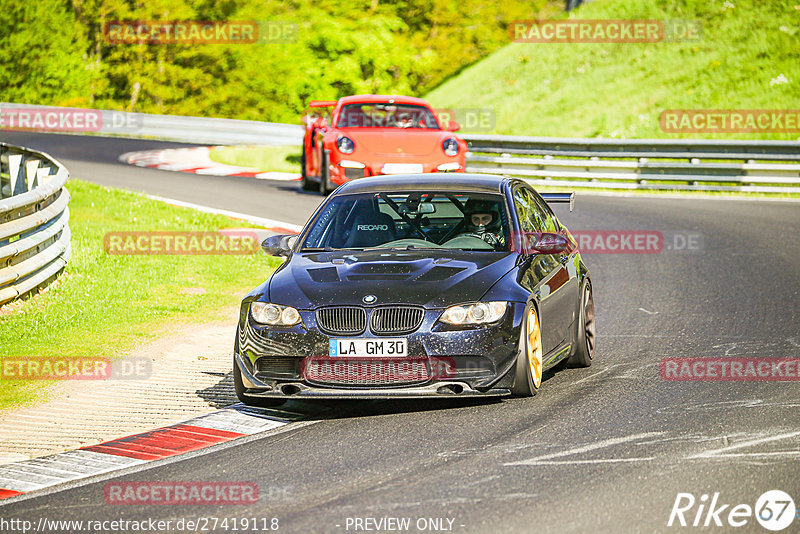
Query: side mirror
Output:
(549,243)
(453,126)
(320,123)
(546,243)
(279,245)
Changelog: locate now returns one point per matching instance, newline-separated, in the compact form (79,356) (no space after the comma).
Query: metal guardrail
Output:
(201,130)
(687,164)
(34,212)
(708,165)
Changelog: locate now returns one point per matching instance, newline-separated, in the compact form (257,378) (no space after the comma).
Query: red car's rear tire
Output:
(305,183)
(325,186)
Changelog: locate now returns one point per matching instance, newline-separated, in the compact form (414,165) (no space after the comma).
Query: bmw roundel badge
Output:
(369,299)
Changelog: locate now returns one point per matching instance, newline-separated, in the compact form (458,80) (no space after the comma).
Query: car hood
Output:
(398,142)
(430,278)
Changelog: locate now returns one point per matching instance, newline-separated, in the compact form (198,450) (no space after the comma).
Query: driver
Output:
(482,218)
(404,121)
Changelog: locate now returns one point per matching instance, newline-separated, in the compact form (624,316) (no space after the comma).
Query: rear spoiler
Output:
(551,198)
(322,103)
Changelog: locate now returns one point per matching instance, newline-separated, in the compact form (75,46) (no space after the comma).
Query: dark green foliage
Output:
(59,54)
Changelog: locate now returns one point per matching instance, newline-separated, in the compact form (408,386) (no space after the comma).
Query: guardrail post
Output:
(31,168)
(16,173)
(5,180)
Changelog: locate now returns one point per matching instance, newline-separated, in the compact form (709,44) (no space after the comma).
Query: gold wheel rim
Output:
(534,348)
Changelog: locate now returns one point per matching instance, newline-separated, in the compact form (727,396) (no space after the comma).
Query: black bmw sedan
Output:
(421,285)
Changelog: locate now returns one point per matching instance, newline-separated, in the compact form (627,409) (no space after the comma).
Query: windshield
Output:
(386,116)
(463,221)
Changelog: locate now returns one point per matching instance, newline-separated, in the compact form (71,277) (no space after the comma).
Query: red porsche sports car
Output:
(369,135)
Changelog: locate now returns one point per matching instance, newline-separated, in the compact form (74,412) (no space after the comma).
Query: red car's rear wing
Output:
(551,198)
(322,103)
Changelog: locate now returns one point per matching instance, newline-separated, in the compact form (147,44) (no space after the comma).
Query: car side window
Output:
(527,211)
(549,221)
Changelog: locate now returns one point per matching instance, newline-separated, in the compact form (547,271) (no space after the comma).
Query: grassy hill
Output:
(747,58)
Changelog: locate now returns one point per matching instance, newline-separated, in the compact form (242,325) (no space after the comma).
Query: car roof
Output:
(472,183)
(398,99)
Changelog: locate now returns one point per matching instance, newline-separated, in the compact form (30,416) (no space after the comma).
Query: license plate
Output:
(402,168)
(365,348)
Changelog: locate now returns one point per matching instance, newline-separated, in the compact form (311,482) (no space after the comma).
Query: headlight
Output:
(478,313)
(274,314)
(345,145)
(450,147)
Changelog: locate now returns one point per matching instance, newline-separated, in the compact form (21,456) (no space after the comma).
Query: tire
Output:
(586,336)
(305,183)
(324,175)
(238,385)
(528,371)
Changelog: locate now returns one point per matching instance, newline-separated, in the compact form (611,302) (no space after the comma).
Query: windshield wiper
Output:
(318,249)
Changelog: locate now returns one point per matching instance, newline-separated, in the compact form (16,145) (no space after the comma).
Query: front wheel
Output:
(585,340)
(528,373)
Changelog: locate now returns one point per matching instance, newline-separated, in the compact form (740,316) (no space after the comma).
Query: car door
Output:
(539,273)
(564,284)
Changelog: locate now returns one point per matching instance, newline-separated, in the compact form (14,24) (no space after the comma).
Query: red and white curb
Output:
(197,160)
(195,434)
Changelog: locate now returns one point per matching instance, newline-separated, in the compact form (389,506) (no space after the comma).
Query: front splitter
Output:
(295,390)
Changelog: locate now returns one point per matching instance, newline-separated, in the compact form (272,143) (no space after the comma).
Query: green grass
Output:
(103,305)
(619,90)
(264,157)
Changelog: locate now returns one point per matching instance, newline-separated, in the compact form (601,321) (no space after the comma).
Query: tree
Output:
(42,49)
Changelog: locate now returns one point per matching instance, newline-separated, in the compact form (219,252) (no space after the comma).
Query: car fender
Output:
(507,288)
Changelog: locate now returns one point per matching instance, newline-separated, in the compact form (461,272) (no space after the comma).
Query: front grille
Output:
(281,365)
(362,372)
(395,320)
(342,321)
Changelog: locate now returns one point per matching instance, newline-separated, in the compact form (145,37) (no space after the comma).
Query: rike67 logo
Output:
(774,510)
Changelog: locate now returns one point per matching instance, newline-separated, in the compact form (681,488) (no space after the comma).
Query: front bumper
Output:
(274,363)
(341,172)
